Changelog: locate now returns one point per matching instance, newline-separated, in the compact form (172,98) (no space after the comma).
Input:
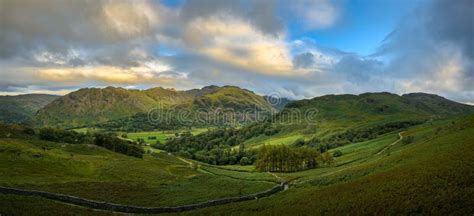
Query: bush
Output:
(245,161)
(408,140)
(337,153)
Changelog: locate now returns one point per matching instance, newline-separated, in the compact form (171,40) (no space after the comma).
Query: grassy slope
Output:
(161,135)
(91,106)
(92,172)
(16,109)
(431,175)
(337,113)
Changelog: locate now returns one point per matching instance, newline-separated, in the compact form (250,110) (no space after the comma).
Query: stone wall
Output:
(137,209)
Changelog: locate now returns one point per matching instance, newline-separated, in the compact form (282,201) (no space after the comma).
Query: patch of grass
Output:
(432,175)
(92,172)
(161,136)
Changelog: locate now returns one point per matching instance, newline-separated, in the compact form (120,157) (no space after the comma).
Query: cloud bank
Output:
(59,46)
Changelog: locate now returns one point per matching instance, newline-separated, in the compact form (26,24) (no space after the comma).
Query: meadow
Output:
(151,137)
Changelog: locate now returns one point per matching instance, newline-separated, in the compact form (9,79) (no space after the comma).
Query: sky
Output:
(295,49)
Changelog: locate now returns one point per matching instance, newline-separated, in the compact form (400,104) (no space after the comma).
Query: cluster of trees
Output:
(118,145)
(354,135)
(108,141)
(189,146)
(65,136)
(138,122)
(215,146)
(282,158)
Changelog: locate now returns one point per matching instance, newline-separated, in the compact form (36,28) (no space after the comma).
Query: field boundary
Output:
(139,209)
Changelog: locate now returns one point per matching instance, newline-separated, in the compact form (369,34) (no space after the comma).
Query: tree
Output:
(245,161)
(337,153)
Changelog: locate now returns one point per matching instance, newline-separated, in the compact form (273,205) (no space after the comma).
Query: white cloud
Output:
(316,14)
(234,41)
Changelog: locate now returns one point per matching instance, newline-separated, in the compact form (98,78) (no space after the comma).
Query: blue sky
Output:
(363,25)
(298,49)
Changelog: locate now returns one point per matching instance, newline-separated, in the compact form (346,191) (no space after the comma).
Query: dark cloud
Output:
(358,70)
(432,49)
(303,60)
(29,26)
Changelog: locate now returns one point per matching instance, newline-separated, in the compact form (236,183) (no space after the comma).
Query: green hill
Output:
(430,175)
(330,115)
(118,106)
(16,109)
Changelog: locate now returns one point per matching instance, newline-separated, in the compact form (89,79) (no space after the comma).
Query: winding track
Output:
(392,144)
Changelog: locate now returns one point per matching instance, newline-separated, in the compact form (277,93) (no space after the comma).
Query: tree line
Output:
(283,158)
(107,140)
(216,146)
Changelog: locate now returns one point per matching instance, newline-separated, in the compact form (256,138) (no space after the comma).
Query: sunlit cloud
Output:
(266,46)
(235,41)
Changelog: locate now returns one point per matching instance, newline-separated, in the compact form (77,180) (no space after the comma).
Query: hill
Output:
(118,106)
(16,109)
(432,174)
(331,115)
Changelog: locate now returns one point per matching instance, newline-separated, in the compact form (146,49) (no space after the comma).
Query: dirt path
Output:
(392,144)
(349,166)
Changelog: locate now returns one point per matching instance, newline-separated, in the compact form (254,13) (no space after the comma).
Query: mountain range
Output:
(115,107)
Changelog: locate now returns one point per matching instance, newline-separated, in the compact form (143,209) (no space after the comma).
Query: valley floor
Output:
(431,175)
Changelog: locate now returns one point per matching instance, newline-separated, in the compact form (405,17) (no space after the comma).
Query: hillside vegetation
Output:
(429,175)
(339,120)
(128,109)
(16,109)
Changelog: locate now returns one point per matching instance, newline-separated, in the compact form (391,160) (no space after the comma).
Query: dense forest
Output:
(215,146)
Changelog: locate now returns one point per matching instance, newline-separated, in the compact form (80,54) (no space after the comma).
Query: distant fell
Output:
(17,109)
(92,106)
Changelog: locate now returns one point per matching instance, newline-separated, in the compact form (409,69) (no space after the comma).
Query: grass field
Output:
(431,175)
(91,172)
(161,136)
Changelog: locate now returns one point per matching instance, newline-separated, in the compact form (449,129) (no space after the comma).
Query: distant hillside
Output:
(380,106)
(16,109)
(118,106)
(277,102)
(332,118)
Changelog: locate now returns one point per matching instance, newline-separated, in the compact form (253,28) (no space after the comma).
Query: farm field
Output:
(161,136)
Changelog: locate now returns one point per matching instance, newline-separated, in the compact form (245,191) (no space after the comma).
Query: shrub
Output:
(337,153)
(245,161)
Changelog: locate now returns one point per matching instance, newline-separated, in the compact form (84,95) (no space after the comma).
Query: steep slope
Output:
(231,97)
(115,106)
(16,109)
